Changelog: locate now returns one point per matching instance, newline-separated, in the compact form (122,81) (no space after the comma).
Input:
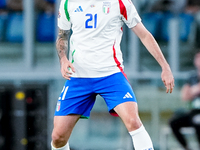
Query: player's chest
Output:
(92,14)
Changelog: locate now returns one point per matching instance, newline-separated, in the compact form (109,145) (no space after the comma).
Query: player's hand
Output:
(66,68)
(168,79)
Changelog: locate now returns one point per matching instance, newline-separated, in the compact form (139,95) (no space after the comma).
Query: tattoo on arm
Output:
(62,43)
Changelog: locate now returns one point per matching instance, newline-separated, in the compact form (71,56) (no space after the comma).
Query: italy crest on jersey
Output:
(106,7)
(59,15)
(58,106)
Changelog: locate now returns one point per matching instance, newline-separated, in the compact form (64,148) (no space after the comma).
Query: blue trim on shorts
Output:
(79,94)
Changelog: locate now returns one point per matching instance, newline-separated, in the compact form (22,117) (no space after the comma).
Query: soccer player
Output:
(95,66)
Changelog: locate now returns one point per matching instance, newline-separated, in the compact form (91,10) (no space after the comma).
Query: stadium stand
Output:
(15,21)
(154,26)
(158,24)
(51,1)
(45,27)
(3,19)
(2,3)
(185,21)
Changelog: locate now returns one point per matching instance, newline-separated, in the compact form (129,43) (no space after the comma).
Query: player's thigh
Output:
(63,125)
(128,112)
(115,89)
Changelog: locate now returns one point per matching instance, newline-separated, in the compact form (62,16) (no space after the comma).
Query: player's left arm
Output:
(152,46)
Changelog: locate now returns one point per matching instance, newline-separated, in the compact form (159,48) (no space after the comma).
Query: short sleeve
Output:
(63,22)
(129,13)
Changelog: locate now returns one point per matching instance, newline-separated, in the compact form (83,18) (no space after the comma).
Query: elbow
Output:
(147,37)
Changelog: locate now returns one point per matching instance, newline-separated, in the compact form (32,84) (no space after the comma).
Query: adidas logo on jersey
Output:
(79,9)
(128,95)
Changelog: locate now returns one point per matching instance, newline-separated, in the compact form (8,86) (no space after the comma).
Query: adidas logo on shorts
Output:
(128,95)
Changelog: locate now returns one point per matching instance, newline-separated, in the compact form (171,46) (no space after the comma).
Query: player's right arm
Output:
(62,49)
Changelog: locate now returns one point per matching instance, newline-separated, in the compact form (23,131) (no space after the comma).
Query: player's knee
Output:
(58,139)
(133,124)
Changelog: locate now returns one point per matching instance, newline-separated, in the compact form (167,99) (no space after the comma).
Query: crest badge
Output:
(59,15)
(106,7)
(58,106)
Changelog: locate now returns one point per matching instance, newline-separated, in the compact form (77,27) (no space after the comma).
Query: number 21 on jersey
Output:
(91,21)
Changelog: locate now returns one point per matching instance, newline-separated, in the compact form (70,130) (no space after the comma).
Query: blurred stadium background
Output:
(30,80)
